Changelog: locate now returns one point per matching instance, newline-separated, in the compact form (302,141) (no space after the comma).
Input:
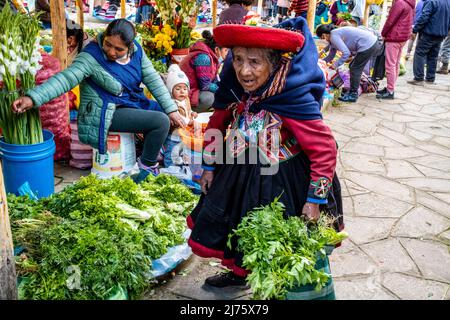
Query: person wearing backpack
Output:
(396,32)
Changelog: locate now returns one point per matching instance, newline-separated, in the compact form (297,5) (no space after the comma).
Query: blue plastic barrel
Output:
(32,163)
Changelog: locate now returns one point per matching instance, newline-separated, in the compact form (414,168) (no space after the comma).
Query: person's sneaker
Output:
(144,171)
(111,12)
(225,279)
(386,95)
(416,82)
(384,90)
(349,97)
(430,82)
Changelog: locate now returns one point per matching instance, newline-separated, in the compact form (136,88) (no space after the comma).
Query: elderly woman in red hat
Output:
(271,87)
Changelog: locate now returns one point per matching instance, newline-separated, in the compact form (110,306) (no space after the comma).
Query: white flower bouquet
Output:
(19,63)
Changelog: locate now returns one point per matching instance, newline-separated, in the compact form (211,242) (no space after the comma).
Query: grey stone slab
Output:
(422,98)
(365,230)
(403,152)
(396,126)
(421,222)
(405,118)
(390,256)
(369,149)
(433,127)
(442,141)
(442,100)
(377,140)
(360,289)
(348,263)
(354,189)
(374,205)
(412,288)
(401,169)
(428,184)
(411,106)
(432,173)
(382,186)
(366,124)
(445,236)
(192,286)
(445,115)
(373,112)
(343,118)
(362,162)
(419,114)
(69,174)
(418,135)
(348,208)
(433,203)
(401,138)
(442,196)
(432,258)
(433,161)
(434,109)
(342,129)
(391,107)
(436,149)
(341,138)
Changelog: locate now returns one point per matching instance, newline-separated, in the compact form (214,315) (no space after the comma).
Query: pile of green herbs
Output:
(97,235)
(282,253)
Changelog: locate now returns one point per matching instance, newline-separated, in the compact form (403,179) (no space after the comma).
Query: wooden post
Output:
(59,35)
(80,12)
(366,15)
(214,13)
(123,9)
(260,7)
(8,278)
(311,15)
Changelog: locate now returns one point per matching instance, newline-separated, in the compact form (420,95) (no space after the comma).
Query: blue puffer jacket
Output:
(92,127)
(435,18)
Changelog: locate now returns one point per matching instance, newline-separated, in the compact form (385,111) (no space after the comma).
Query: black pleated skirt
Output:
(238,189)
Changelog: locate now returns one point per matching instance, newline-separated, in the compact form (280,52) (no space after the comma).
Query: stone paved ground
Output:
(394,167)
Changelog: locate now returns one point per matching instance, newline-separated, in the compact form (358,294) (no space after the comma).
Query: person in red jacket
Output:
(396,32)
(201,66)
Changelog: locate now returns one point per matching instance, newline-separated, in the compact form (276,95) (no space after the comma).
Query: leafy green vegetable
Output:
(97,236)
(282,253)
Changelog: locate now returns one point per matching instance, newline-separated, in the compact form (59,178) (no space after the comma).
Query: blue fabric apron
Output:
(129,76)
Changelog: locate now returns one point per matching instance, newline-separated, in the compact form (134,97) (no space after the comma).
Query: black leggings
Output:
(359,62)
(153,124)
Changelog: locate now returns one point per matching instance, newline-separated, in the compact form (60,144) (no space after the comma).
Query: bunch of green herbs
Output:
(282,253)
(97,235)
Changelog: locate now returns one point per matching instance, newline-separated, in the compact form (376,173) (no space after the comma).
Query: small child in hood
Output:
(178,85)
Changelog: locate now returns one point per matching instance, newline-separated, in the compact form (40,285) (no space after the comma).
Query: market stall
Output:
(109,238)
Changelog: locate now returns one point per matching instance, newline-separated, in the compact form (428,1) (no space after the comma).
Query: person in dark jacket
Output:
(396,31)
(432,27)
(412,39)
(236,11)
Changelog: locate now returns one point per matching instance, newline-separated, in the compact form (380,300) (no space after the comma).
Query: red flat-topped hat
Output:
(240,35)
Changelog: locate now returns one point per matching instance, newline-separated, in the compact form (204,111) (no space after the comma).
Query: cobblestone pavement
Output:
(394,167)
